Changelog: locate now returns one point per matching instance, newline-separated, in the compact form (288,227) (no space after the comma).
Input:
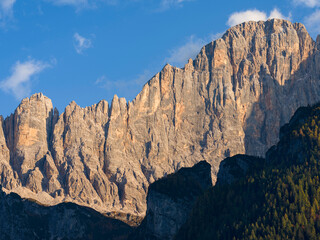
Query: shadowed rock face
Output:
(249,188)
(234,168)
(231,99)
(24,219)
(170,200)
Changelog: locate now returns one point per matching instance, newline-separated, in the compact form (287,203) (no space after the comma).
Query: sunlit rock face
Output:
(232,99)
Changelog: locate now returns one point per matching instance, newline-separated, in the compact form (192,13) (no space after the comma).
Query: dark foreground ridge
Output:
(170,200)
(25,219)
(278,200)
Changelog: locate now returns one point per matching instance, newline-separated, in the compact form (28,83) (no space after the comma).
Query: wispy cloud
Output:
(165,4)
(312,22)
(190,49)
(100,80)
(144,77)
(82,4)
(7,5)
(141,79)
(6,10)
(308,3)
(254,15)
(79,4)
(128,88)
(81,43)
(19,83)
(104,82)
(180,55)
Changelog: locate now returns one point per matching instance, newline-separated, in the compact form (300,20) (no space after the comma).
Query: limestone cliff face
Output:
(25,140)
(231,99)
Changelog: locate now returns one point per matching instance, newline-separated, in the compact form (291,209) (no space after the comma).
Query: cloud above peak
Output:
(190,49)
(253,15)
(180,55)
(275,13)
(19,82)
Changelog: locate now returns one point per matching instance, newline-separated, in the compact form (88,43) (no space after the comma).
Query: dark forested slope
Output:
(279,199)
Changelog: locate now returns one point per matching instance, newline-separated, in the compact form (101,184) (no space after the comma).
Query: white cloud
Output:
(308,3)
(253,15)
(19,83)
(81,43)
(190,49)
(245,16)
(312,22)
(275,13)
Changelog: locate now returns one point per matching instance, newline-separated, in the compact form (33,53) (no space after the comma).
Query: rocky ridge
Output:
(25,219)
(231,99)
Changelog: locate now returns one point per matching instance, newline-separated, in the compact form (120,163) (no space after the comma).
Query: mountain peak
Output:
(232,99)
(275,25)
(278,45)
(37,97)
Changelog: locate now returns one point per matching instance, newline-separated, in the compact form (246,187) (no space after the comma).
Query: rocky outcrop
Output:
(232,99)
(24,219)
(234,168)
(171,199)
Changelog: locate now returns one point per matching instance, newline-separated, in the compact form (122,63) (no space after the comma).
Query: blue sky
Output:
(88,50)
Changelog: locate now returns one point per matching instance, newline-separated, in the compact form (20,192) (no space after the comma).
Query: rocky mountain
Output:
(231,99)
(275,198)
(170,201)
(25,219)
